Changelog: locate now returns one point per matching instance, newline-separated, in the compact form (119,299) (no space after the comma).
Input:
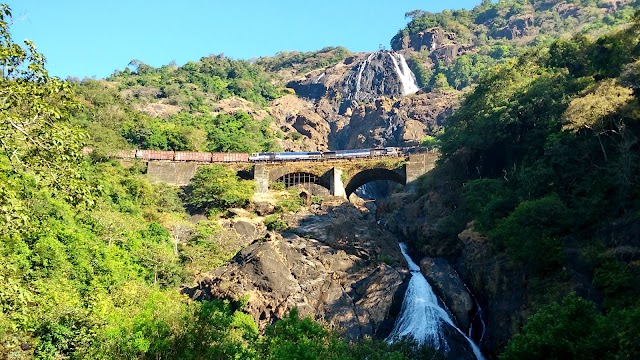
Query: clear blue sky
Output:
(87,38)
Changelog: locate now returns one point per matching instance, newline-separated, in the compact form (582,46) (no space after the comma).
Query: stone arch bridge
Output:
(341,177)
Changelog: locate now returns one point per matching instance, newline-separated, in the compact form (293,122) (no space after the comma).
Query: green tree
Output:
(570,329)
(35,134)
(217,188)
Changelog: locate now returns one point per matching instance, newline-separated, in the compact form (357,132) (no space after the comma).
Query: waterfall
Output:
(479,315)
(421,316)
(360,70)
(407,79)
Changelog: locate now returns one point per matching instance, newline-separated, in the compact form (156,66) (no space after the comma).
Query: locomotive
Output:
(218,157)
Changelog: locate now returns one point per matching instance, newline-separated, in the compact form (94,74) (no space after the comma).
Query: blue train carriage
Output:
(353,154)
(286,156)
(392,151)
(297,156)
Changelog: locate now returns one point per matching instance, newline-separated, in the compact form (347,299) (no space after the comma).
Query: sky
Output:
(85,38)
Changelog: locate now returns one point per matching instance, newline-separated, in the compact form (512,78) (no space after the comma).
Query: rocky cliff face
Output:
(335,267)
(369,100)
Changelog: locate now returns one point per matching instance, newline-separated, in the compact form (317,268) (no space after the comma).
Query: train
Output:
(324,155)
(218,157)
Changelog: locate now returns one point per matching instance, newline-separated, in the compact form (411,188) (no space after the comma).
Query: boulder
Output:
(450,288)
(425,40)
(233,212)
(245,229)
(263,208)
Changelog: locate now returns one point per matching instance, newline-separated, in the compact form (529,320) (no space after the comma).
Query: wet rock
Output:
(448,286)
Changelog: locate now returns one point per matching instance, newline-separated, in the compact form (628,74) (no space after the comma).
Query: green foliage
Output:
(530,233)
(289,201)
(492,21)
(466,69)
(35,134)
(238,133)
(574,329)
(429,142)
(213,77)
(616,280)
(304,61)
(216,188)
(295,338)
(274,222)
(277,186)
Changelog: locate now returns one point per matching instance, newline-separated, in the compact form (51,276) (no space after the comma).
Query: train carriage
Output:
(126,154)
(229,157)
(221,157)
(192,156)
(154,155)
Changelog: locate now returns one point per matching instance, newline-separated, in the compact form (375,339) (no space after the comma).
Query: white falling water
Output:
(421,316)
(360,70)
(407,79)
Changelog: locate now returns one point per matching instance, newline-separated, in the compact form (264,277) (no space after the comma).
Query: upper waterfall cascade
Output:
(421,316)
(379,65)
(407,78)
(360,70)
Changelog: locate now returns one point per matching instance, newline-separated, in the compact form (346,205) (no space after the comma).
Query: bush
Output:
(275,223)
(289,202)
(571,329)
(277,186)
(218,188)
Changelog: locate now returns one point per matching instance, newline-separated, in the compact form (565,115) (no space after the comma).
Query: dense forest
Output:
(492,32)
(541,158)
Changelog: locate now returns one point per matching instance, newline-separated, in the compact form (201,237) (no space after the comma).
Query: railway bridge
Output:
(341,177)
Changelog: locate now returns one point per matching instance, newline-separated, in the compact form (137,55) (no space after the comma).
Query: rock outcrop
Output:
(335,268)
(517,27)
(430,40)
(361,102)
(449,287)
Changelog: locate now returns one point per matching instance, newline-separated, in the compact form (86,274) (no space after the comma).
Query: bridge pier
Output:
(337,186)
(418,165)
(261,176)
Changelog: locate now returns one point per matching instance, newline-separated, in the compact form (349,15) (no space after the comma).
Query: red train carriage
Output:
(126,154)
(192,156)
(229,157)
(154,155)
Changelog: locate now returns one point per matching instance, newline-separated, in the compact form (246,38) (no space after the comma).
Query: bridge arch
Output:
(369,175)
(300,177)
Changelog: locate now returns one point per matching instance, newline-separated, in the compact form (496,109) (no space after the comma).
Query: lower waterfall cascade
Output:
(421,316)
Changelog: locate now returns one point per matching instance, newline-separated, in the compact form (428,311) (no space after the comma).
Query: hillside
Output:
(536,199)
(169,107)
(533,208)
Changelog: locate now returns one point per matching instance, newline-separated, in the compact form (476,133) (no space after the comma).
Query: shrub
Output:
(217,188)
(275,223)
